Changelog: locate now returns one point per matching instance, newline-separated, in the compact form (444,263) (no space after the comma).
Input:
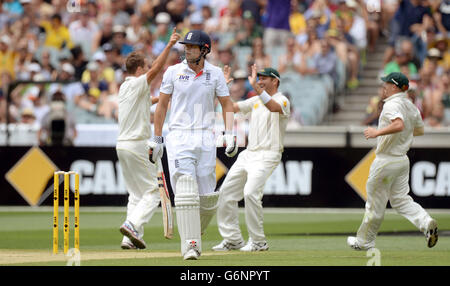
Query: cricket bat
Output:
(166,204)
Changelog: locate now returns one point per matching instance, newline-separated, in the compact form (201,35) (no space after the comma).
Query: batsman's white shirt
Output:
(134,131)
(190,144)
(248,175)
(389,173)
(192,105)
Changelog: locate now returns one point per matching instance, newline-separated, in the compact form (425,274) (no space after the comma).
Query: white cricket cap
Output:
(68,68)
(162,18)
(92,66)
(34,67)
(5,39)
(99,56)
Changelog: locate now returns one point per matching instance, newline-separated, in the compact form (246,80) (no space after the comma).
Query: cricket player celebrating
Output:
(269,114)
(132,149)
(192,86)
(399,121)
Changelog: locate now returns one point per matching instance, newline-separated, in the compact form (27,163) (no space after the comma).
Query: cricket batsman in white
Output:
(399,122)
(139,173)
(269,115)
(192,86)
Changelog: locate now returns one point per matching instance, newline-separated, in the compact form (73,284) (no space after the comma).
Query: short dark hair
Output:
(134,60)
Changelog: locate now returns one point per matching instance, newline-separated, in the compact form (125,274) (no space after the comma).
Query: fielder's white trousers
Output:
(140,177)
(388,181)
(245,180)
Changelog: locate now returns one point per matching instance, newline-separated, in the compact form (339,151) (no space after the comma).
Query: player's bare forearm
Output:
(227,112)
(160,113)
(155,100)
(396,126)
(162,58)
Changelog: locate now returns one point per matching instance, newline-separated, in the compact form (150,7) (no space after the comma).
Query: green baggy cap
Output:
(398,79)
(269,72)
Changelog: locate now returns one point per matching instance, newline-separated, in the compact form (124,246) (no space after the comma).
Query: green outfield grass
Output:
(296,238)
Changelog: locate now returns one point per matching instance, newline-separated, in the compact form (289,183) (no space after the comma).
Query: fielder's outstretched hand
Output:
(227,74)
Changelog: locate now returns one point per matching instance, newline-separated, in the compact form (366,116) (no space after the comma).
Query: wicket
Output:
(66,210)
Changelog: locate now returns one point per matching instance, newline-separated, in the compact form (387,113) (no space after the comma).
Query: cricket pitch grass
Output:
(296,237)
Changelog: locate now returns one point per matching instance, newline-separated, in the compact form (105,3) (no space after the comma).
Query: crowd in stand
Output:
(86,42)
(419,47)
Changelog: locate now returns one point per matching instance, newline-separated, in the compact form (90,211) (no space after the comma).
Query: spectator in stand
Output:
(7,56)
(114,60)
(211,23)
(226,57)
(409,12)
(120,17)
(196,21)
(104,34)
(373,109)
(401,60)
(277,29)
(258,55)
(297,21)
(309,42)
(27,116)
(321,14)
(48,70)
(72,90)
(56,34)
(407,47)
(441,43)
(291,60)
(136,30)
(119,40)
(83,32)
(322,63)
(248,31)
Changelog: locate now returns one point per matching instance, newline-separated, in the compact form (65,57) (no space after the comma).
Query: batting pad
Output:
(208,207)
(187,205)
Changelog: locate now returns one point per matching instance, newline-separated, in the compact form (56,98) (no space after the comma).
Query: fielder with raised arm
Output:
(132,149)
(269,115)
(388,180)
(191,149)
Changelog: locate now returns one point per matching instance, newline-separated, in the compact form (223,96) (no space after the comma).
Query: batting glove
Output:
(230,142)
(155,148)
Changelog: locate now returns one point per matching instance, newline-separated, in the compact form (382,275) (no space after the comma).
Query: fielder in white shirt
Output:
(139,173)
(269,115)
(191,145)
(388,180)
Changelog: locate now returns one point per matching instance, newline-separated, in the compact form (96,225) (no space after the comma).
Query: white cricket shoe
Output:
(353,243)
(228,245)
(127,245)
(255,246)
(191,254)
(129,231)
(431,234)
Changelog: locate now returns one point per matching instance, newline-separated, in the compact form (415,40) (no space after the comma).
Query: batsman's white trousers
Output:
(140,177)
(245,180)
(388,181)
(192,153)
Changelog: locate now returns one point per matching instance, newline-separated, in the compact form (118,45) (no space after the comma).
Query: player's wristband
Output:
(265,97)
(158,139)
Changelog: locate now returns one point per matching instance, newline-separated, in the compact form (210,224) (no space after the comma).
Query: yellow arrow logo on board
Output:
(357,177)
(221,169)
(30,175)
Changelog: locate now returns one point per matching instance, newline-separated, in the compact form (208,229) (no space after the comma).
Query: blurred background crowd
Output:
(318,46)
